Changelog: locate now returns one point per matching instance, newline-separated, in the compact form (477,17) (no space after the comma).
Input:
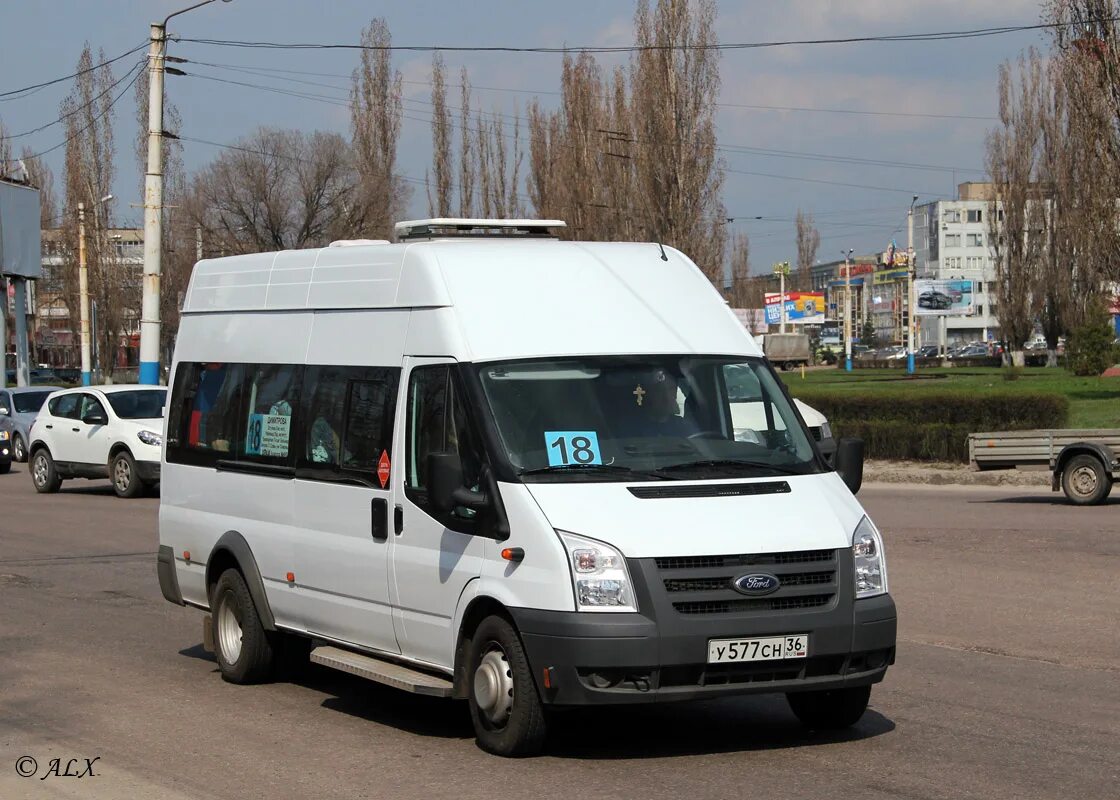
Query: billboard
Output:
(944,298)
(19,231)
(802,308)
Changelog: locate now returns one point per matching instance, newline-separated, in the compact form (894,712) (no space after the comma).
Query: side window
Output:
(438,423)
(348,416)
(6,402)
(66,405)
(266,427)
(91,405)
(205,413)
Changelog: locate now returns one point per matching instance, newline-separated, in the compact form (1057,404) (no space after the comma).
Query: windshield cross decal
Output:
(639,393)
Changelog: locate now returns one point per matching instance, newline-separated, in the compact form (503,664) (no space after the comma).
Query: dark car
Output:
(934,300)
(6,428)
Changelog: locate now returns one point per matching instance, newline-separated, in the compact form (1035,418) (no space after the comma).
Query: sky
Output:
(856,205)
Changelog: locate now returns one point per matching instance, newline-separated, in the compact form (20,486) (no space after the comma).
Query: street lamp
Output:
(83,286)
(782,270)
(912,272)
(153,200)
(848,309)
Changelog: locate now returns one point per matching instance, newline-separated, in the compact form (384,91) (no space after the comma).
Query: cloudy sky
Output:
(932,103)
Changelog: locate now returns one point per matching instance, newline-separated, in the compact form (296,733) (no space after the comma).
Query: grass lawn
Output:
(1093,402)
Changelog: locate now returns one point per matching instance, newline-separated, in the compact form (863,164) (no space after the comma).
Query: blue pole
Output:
(149,373)
(848,363)
(910,362)
(85,379)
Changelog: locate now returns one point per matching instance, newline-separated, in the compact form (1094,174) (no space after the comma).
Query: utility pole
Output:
(153,201)
(782,269)
(912,273)
(848,311)
(83,294)
(197,242)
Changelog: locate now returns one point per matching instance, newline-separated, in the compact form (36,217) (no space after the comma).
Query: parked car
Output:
(20,405)
(971,351)
(927,351)
(99,432)
(5,445)
(934,300)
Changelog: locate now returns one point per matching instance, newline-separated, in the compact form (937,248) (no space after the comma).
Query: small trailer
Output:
(1083,463)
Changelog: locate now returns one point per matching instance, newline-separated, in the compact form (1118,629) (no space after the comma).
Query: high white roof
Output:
(509,298)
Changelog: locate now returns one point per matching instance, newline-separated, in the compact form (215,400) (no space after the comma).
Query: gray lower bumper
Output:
(604,659)
(168,580)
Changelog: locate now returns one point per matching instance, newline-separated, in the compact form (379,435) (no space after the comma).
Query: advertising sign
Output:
(830,332)
(944,298)
(802,308)
(19,231)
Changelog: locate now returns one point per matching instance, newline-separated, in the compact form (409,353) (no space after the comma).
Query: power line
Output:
(936,36)
(100,116)
(35,87)
(77,109)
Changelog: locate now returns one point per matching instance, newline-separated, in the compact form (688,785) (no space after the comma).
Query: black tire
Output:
(44,475)
(19,449)
(521,731)
(253,659)
(1085,480)
(122,473)
(831,709)
(787,366)
(5,467)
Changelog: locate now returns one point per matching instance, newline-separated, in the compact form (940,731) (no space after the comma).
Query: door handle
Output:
(379,518)
(76,430)
(49,427)
(398,520)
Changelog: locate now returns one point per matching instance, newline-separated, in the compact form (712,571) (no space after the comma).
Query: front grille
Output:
(753,672)
(697,585)
(760,604)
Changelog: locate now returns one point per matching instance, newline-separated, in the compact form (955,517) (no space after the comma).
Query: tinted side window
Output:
(65,406)
(91,405)
(438,423)
(272,396)
(348,416)
(205,422)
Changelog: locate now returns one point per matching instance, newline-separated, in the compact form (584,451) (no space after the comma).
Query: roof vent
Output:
(454,228)
(357,242)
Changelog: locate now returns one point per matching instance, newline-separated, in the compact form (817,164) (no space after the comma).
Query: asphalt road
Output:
(1007,683)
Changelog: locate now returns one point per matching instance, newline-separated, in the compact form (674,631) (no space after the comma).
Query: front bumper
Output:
(148,471)
(660,654)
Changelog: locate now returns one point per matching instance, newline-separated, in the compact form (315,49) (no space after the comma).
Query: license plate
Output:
(771,648)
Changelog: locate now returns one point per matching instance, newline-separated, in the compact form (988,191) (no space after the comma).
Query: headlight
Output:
(826,430)
(149,437)
(870,563)
(3,436)
(599,575)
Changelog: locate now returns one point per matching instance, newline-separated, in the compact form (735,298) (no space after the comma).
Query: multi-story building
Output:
(951,243)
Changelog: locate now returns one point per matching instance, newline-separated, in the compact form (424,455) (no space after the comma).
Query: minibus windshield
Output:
(621,418)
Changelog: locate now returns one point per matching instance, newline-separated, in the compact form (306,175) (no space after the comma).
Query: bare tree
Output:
(466,151)
(375,102)
(278,190)
(5,151)
(439,203)
(41,177)
(808,242)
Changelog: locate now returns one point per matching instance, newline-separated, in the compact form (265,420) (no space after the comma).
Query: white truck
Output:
(1083,463)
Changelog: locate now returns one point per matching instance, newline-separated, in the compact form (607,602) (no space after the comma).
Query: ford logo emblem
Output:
(756,583)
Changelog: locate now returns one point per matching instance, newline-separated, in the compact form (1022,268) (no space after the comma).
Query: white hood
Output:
(817,513)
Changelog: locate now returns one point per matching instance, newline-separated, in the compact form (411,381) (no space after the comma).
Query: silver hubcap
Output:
(1084,480)
(18,447)
(229,633)
(40,470)
(493,686)
(122,474)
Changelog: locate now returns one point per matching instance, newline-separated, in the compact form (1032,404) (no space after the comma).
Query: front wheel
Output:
(830,709)
(505,708)
(19,449)
(122,469)
(1085,480)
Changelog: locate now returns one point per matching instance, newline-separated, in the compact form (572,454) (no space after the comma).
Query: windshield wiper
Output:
(728,462)
(591,469)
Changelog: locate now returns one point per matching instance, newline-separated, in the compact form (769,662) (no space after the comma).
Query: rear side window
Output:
(205,413)
(348,417)
(272,396)
(65,406)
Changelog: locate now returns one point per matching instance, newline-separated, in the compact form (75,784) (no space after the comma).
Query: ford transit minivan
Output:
(489,464)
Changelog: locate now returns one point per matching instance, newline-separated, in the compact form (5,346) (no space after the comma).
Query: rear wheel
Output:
(1085,480)
(44,475)
(505,708)
(122,471)
(831,709)
(241,643)
(19,449)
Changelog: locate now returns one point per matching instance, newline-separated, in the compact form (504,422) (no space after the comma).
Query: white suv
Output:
(105,432)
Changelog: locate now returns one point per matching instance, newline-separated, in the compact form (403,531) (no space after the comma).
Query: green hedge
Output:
(931,426)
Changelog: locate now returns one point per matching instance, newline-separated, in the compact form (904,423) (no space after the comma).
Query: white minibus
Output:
(486,463)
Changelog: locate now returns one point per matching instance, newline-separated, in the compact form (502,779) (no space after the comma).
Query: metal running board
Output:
(374,669)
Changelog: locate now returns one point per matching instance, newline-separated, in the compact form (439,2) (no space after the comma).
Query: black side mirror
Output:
(849,463)
(95,418)
(445,485)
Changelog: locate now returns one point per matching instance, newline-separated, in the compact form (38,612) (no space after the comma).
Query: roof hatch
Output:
(456,228)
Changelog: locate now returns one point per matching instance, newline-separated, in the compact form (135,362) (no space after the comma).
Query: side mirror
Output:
(4,411)
(445,485)
(95,418)
(849,463)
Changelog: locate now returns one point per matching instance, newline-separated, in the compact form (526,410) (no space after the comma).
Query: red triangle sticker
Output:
(383,468)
